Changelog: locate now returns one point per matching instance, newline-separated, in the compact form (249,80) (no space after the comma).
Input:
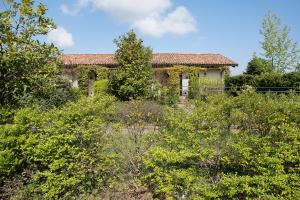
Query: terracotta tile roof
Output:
(158,59)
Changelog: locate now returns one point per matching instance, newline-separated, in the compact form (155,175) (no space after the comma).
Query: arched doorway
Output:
(91,83)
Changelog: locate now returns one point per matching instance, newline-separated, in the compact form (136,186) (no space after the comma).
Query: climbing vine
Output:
(192,71)
(82,73)
(173,76)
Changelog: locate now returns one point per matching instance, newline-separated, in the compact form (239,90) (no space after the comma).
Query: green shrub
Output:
(169,95)
(53,96)
(243,147)
(6,115)
(101,87)
(258,66)
(63,149)
(265,82)
(83,76)
(204,86)
(136,112)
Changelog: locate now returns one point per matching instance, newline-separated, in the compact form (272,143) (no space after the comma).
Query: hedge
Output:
(265,82)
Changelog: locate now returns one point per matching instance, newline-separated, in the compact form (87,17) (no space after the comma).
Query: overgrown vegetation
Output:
(226,148)
(243,147)
(106,147)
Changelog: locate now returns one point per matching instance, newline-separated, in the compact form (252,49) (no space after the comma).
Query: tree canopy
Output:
(28,68)
(258,66)
(133,78)
(278,47)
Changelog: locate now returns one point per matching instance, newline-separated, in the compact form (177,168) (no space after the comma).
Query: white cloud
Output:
(151,17)
(66,10)
(177,22)
(75,9)
(60,37)
(130,10)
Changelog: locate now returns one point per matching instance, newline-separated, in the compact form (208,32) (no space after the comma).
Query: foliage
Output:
(83,72)
(101,87)
(139,122)
(137,112)
(258,66)
(198,85)
(55,95)
(175,72)
(27,66)
(226,147)
(279,48)
(6,115)
(169,95)
(62,153)
(203,86)
(265,82)
(243,147)
(165,95)
(133,77)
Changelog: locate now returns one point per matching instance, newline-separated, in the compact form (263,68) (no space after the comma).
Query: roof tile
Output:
(157,59)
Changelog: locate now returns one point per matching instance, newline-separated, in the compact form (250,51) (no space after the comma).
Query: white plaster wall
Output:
(212,73)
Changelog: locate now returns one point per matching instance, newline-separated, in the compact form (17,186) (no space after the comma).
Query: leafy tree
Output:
(133,78)
(28,68)
(258,66)
(279,48)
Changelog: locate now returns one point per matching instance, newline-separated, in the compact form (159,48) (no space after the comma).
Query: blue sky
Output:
(229,27)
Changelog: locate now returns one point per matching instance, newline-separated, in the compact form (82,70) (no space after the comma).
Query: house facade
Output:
(169,68)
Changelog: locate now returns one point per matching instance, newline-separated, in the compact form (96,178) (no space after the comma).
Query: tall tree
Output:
(278,47)
(28,67)
(133,78)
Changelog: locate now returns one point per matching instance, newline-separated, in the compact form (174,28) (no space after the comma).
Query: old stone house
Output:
(169,68)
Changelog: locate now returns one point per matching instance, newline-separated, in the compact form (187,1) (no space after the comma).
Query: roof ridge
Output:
(87,54)
(185,53)
(177,53)
(158,58)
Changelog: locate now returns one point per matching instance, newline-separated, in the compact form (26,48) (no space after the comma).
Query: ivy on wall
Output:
(173,75)
(83,71)
(82,75)
(204,86)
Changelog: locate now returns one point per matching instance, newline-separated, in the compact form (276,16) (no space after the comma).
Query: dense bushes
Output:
(258,66)
(243,147)
(60,153)
(265,82)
